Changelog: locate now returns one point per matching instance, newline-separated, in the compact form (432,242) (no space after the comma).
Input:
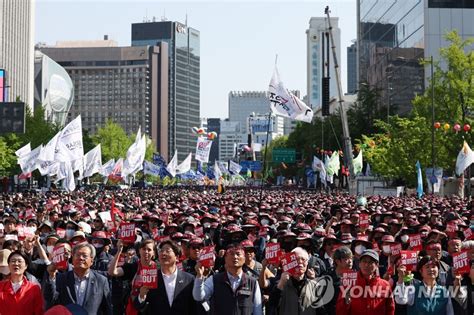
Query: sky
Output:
(239,39)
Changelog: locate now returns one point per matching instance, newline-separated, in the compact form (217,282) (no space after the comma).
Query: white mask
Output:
(386,249)
(359,249)
(50,249)
(69,233)
(264,221)
(404,238)
(206,225)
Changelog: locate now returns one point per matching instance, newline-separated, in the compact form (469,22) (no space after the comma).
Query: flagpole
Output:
(265,155)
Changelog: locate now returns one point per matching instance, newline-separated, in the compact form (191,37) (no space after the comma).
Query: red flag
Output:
(115,211)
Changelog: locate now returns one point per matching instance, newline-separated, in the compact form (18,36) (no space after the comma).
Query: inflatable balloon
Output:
(467,127)
(457,127)
(437,125)
(446,127)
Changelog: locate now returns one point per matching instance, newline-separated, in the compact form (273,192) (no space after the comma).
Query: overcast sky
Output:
(239,39)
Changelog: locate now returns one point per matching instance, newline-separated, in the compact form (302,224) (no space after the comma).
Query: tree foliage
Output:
(394,151)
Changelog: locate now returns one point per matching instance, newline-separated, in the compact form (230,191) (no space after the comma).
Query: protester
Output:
(17,294)
(367,280)
(426,296)
(174,287)
(230,291)
(91,290)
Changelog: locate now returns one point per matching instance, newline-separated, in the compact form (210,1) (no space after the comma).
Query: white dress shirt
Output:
(170,284)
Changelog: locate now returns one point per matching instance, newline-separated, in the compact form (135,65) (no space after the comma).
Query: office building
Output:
(128,85)
(394,36)
(17,50)
(259,126)
(352,69)
(231,134)
(214,124)
(184,73)
(317,51)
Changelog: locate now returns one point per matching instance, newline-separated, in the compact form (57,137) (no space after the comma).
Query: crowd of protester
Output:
(175,231)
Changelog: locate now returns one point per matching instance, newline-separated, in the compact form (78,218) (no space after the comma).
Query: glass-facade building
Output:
(184,78)
(394,35)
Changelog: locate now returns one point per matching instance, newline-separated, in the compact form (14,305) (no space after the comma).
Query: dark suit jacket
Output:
(97,299)
(157,299)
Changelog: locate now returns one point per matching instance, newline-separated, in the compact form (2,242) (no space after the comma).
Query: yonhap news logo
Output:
(324,291)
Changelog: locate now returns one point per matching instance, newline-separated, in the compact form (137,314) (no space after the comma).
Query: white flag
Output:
(318,166)
(107,168)
(358,163)
(173,164)
(49,150)
(284,103)
(92,161)
(29,161)
(68,182)
(217,171)
(465,158)
(235,168)
(21,152)
(70,146)
(185,166)
(135,156)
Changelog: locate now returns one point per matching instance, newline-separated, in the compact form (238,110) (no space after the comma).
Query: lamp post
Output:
(432,126)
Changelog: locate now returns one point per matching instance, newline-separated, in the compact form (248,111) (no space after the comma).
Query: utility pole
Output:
(345,125)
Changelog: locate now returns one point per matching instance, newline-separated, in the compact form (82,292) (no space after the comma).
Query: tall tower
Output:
(317,52)
(184,78)
(17,49)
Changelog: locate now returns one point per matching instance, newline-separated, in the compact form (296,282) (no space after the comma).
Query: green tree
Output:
(7,158)
(113,139)
(37,129)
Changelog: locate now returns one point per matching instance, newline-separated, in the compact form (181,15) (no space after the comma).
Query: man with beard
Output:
(230,291)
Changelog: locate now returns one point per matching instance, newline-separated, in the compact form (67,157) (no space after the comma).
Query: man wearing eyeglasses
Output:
(371,295)
(82,286)
(295,292)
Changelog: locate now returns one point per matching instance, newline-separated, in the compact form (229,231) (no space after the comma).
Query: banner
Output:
(396,249)
(49,150)
(364,220)
(419,187)
(203,149)
(107,168)
(284,103)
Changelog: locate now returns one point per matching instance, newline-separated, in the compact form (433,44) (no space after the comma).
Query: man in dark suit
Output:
(81,286)
(174,294)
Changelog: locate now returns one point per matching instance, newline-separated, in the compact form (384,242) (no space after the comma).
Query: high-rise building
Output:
(126,84)
(17,50)
(184,73)
(351,69)
(214,124)
(317,52)
(394,36)
(229,138)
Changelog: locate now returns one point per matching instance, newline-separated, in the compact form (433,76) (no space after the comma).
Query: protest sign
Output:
(127,232)
(207,257)
(461,263)
(409,259)
(348,278)
(289,263)
(272,251)
(59,257)
(415,242)
(149,277)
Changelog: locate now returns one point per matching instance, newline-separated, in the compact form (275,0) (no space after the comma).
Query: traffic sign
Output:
(284,155)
